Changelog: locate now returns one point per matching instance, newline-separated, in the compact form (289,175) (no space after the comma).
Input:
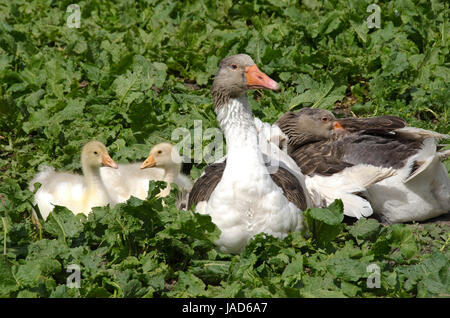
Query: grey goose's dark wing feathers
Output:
(318,158)
(291,187)
(382,151)
(381,124)
(205,185)
(334,155)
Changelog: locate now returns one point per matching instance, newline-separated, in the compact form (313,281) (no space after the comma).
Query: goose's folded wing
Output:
(379,124)
(316,160)
(291,187)
(420,134)
(205,185)
(384,151)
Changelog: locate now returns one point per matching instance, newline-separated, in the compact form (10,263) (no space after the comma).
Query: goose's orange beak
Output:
(337,126)
(149,162)
(257,79)
(107,161)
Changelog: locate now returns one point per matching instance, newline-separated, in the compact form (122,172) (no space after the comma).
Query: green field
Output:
(134,71)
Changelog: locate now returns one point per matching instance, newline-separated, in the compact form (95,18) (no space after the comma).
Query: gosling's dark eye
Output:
(95,153)
(234,66)
(324,119)
(159,151)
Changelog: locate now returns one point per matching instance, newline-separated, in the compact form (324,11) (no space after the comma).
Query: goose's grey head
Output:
(236,75)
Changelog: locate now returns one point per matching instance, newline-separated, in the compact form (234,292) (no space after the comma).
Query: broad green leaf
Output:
(212,271)
(29,273)
(325,224)
(293,270)
(73,109)
(365,229)
(430,277)
(347,269)
(63,224)
(320,95)
(8,283)
(188,285)
(62,291)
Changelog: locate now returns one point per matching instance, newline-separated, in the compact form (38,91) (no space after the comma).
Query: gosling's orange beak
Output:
(257,79)
(149,162)
(107,161)
(337,126)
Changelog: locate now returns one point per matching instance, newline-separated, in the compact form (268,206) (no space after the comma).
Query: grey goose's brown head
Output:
(307,125)
(236,75)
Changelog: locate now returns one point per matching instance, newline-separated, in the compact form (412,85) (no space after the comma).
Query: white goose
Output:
(241,196)
(78,193)
(162,164)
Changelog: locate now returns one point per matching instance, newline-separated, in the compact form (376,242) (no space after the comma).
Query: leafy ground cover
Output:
(136,70)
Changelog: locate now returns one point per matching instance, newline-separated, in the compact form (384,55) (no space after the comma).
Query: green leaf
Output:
(188,285)
(325,224)
(361,29)
(210,271)
(347,269)
(430,277)
(130,286)
(322,286)
(63,224)
(29,273)
(8,283)
(37,119)
(319,95)
(73,109)
(293,271)
(403,238)
(396,64)
(27,294)
(62,291)
(134,73)
(365,229)
(349,289)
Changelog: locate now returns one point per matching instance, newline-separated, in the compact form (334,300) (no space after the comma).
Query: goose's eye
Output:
(159,152)
(234,66)
(324,119)
(95,153)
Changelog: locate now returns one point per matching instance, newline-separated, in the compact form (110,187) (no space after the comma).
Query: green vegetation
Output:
(136,70)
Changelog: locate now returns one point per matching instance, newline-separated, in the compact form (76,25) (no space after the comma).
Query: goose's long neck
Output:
(236,120)
(94,182)
(170,176)
(171,173)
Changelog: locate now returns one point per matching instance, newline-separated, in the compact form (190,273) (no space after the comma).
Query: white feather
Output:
(347,185)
